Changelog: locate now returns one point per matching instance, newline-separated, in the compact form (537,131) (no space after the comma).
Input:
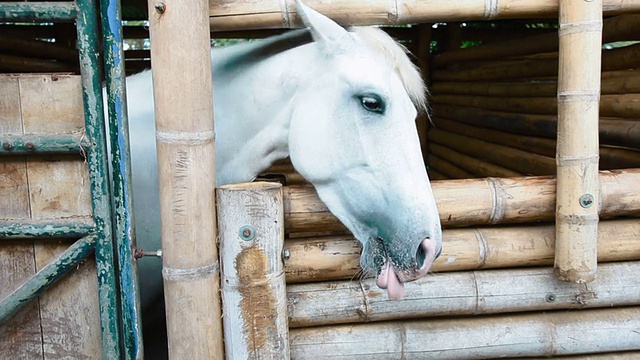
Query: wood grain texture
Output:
(336,258)
(535,335)
(65,317)
(253,280)
(463,293)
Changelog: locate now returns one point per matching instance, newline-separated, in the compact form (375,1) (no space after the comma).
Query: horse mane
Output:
(396,55)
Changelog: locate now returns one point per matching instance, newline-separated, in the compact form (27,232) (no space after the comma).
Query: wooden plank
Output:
(21,335)
(60,188)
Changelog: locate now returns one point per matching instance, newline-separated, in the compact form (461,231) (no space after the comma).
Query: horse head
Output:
(353,136)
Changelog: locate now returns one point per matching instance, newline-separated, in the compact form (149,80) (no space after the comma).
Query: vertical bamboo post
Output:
(181,62)
(580,35)
(251,221)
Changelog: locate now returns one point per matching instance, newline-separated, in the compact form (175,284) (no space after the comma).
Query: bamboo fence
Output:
(254,14)
(336,258)
(471,202)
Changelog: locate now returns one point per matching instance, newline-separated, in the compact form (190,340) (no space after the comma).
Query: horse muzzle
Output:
(392,277)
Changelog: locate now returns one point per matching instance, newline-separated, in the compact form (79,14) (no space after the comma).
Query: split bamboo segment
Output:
(263,14)
(336,258)
(471,202)
(478,167)
(461,293)
(186,171)
(536,335)
(250,219)
(580,35)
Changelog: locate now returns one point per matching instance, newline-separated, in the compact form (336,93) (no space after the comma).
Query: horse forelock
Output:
(396,54)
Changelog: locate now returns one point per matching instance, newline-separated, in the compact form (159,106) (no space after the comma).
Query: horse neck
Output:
(252,112)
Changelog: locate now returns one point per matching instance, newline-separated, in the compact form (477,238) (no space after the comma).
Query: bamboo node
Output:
(580,27)
(567,96)
(174,274)
(185,138)
(587,219)
(577,159)
(498,200)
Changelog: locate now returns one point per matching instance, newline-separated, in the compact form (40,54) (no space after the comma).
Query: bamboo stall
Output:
(509,128)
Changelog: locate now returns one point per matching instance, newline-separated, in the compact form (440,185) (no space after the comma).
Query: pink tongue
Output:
(389,280)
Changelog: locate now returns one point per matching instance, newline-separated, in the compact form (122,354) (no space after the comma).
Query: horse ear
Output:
(324,31)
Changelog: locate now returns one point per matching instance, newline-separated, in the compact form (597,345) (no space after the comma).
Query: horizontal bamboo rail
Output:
(520,161)
(461,293)
(612,131)
(610,157)
(478,167)
(480,201)
(616,59)
(612,83)
(336,258)
(447,168)
(540,335)
(618,105)
(253,14)
(623,27)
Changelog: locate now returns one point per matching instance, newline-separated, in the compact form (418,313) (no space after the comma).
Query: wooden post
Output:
(251,218)
(180,52)
(577,198)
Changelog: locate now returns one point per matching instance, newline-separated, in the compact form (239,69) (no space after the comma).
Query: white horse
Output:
(342,105)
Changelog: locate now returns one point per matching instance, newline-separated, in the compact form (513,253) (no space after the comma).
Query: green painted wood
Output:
(47,276)
(42,11)
(30,229)
(121,178)
(88,46)
(42,144)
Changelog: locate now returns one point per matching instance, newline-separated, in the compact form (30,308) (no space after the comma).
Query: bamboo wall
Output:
(495,109)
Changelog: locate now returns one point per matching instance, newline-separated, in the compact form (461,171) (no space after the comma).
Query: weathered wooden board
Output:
(64,322)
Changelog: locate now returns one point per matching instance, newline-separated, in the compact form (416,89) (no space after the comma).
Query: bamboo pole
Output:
(244,15)
(580,36)
(471,202)
(185,146)
(617,59)
(619,105)
(447,168)
(623,27)
(337,258)
(613,131)
(611,83)
(517,160)
(478,167)
(539,334)
(460,294)
(250,218)
(610,157)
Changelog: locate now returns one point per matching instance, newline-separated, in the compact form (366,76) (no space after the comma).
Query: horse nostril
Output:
(421,256)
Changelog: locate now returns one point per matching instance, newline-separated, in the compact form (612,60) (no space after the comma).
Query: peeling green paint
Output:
(88,46)
(43,144)
(47,276)
(43,11)
(63,228)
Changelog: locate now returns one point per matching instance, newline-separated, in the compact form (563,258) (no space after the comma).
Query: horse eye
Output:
(372,103)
